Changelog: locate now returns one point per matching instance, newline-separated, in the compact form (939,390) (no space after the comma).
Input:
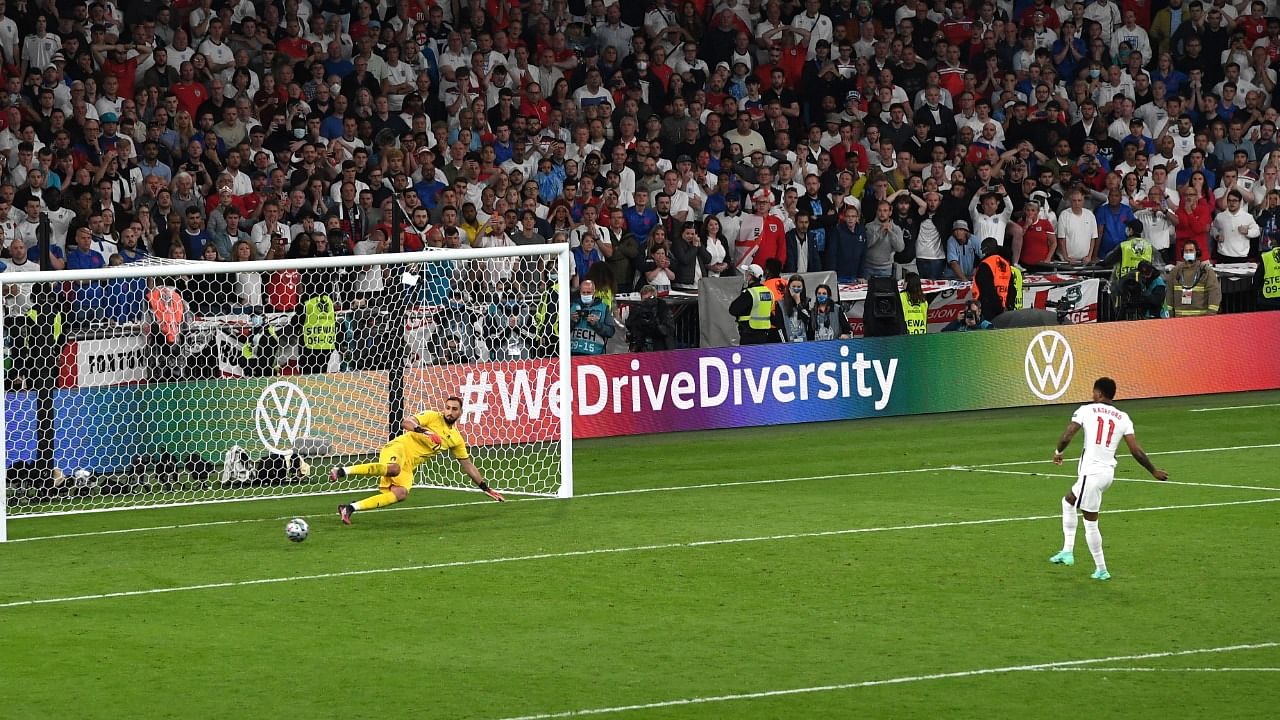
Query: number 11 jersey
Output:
(1103,426)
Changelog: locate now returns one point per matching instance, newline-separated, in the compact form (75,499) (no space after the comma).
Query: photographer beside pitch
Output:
(650,325)
(425,435)
(971,319)
(590,322)
(1104,425)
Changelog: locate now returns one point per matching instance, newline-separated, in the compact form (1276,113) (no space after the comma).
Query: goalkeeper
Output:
(425,435)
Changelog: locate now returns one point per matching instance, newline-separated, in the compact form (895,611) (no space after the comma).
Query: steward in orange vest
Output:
(992,281)
(774,281)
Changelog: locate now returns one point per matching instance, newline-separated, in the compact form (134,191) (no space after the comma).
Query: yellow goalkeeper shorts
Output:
(393,454)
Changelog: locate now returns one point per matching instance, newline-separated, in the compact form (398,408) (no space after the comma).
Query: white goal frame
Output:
(564,411)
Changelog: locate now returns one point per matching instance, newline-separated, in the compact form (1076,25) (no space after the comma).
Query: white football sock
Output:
(1094,538)
(1069,520)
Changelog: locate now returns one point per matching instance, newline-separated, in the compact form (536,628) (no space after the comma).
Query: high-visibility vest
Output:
(917,315)
(34,316)
(170,310)
(761,309)
(1015,288)
(1001,276)
(1271,275)
(777,286)
(1129,257)
(544,311)
(319,324)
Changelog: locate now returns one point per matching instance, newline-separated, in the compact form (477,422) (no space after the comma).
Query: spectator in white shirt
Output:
(1133,34)
(815,23)
(1078,232)
(990,213)
(1233,228)
(268,227)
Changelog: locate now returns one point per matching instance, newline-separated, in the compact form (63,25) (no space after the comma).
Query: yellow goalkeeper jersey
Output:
(419,445)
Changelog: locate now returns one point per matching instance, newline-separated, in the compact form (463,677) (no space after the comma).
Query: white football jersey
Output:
(1102,426)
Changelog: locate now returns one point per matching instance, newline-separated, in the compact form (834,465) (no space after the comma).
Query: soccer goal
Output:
(164,383)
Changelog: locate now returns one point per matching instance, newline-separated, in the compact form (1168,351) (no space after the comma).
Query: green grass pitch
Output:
(852,569)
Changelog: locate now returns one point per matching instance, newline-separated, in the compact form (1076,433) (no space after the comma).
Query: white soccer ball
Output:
(296,530)
(82,476)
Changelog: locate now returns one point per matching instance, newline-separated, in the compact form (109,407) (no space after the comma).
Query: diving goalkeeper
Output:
(425,435)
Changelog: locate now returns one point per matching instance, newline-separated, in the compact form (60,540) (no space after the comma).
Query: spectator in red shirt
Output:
(1039,239)
(1193,218)
(190,92)
(849,150)
(534,105)
(793,57)
(293,44)
(958,26)
(119,65)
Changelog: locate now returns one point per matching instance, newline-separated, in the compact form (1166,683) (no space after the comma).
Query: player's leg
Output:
(395,480)
(1090,504)
(1066,556)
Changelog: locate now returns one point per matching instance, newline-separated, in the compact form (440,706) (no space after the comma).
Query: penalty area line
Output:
(684,545)
(1183,451)
(1028,473)
(903,680)
(1169,670)
(1235,407)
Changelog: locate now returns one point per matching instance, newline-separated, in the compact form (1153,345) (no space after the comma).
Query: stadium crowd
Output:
(665,141)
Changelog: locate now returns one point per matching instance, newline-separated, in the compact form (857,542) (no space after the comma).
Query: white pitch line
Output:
(887,681)
(243,521)
(1235,407)
(600,551)
(773,481)
(1172,670)
(1158,452)
(1028,473)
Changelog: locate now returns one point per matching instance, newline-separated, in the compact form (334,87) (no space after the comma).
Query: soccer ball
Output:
(296,530)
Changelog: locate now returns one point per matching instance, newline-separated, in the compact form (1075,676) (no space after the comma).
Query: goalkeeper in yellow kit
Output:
(425,435)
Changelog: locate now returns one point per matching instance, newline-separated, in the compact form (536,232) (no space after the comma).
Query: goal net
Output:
(160,384)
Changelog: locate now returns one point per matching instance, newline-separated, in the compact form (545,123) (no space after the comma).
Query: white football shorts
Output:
(1089,488)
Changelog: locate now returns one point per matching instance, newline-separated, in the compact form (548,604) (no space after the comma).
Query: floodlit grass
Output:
(883,554)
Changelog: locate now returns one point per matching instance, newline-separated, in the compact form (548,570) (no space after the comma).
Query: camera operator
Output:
(1142,293)
(970,320)
(650,326)
(1126,256)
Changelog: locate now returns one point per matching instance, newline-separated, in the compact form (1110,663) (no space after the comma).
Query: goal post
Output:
(167,383)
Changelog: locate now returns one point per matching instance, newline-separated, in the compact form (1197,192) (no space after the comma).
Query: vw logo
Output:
(283,416)
(1049,365)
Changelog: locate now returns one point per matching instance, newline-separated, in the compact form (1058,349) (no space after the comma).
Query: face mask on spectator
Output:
(587,298)
(822,297)
(1189,256)
(299,133)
